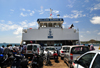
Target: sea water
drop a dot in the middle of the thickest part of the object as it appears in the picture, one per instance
(5, 44)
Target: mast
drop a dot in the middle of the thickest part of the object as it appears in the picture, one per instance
(50, 13)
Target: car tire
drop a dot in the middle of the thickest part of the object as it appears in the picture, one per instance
(62, 58)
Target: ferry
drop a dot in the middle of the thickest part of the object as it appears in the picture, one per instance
(51, 33)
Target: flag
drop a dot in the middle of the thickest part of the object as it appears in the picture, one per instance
(50, 14)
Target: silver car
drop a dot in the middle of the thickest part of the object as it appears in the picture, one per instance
(51, 49)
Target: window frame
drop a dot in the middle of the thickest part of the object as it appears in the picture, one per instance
(84, 55)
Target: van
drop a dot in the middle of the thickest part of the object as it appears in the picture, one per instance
(33, 48)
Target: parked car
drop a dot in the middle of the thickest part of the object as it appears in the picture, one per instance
(51, 49)
(90, 59)
(33, 48)
(71, 53)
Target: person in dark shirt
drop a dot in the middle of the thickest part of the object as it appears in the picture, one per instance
(7, 50)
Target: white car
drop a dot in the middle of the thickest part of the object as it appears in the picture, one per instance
(72, 52)
(90, 59)
(30, 48)
(51, 49)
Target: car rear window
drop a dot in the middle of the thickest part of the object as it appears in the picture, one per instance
(79, 50)
(34, 47)
(29, 47)
(66, 48)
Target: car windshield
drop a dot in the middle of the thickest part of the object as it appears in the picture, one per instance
(79, 50)
(50, 49)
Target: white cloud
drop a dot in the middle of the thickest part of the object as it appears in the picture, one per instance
(2, 20)
(5, 27)
(32, 24)
(17, 28)
(76, 21)
(9, 22)
(19, 36)
(23, 9)
(64, 23)
(11, 10)
(95, 20)
(70, 6)
(47, 9)
(18, 31)
(23, 14)
(81, 36)
(31, 14)
(99, 33)
(95, 30)
(95, 7)
(87, 31)
(86, 1)
(55, 11)
(28, 10)
(24, 23)
(75, 14)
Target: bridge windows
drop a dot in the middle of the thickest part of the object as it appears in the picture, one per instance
(50, 24)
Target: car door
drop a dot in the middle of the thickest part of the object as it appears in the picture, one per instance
(96, 63)
(85, 60)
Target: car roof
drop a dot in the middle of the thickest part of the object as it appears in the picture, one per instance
(50, 47)
(94, 51)
(72, 45)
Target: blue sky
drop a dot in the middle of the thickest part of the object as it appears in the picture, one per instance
(16, 14)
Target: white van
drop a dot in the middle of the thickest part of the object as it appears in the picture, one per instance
(33, 48)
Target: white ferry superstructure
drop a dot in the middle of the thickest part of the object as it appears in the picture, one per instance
(51, 33)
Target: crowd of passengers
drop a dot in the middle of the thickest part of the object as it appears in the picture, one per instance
(9, 48)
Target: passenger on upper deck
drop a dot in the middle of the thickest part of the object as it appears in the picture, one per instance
(71, 26)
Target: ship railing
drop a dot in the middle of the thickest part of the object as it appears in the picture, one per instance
(76, 30)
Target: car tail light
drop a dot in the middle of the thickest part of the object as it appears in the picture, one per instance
(71, 56)
(38, 50)
(62, 51)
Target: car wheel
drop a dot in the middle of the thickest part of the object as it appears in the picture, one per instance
(62, 58)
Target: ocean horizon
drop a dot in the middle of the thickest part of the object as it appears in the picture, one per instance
(13, 44)
(5, 44)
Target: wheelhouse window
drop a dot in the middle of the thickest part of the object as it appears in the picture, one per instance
(45, 24)
(41, 24)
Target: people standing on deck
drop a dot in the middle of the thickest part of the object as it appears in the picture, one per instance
(24, 47)
(89, 47)
(48, 58)
(92, 47)
(10, 47)
(20, 49)
(7, 50)
(71, 26)
(2, 49)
